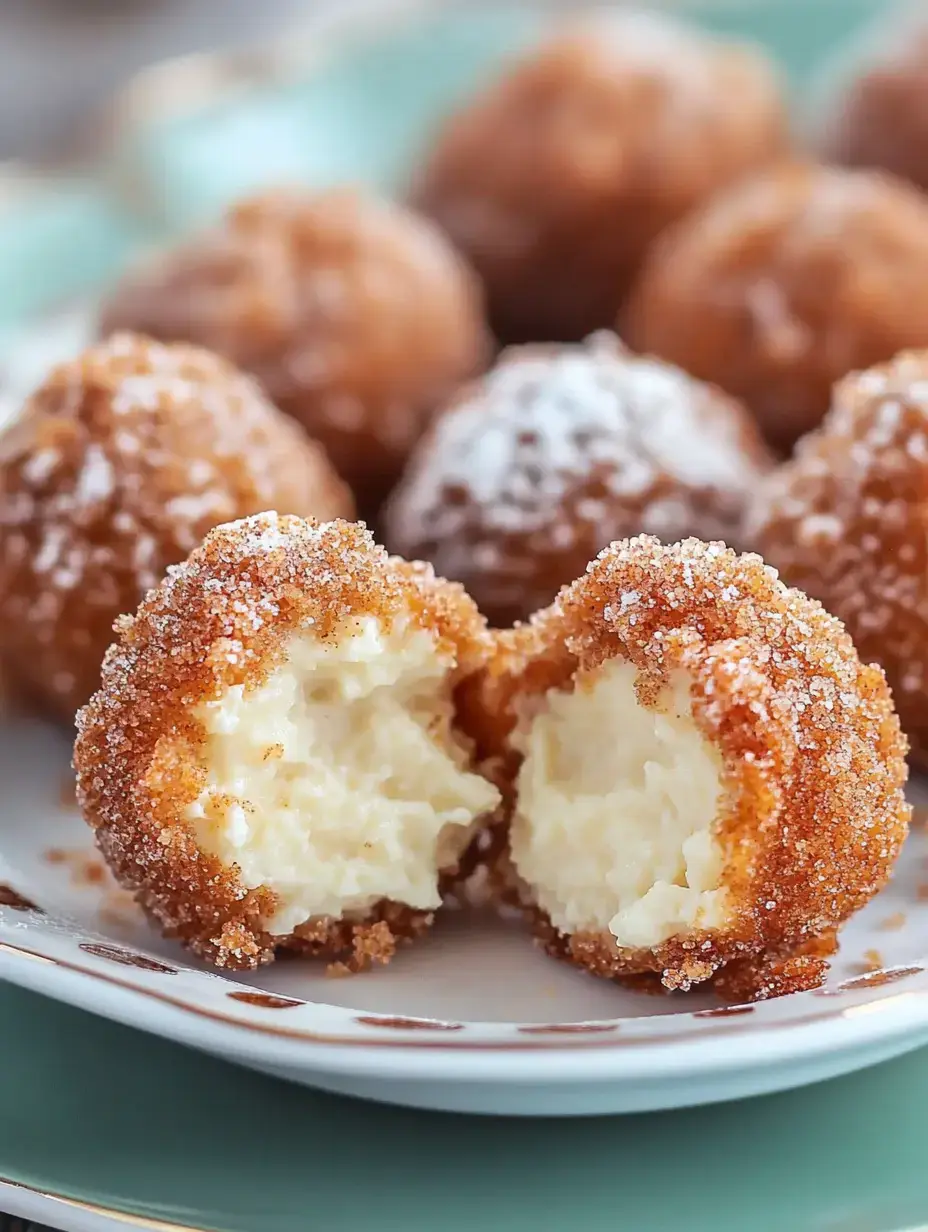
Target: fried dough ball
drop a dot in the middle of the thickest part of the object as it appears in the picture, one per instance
(120, 463)
(847, 520)
(705, 777)
(558, 451)
(555, 180)
(879, 116)
(272, 760)
(356, 316)
(780, 286)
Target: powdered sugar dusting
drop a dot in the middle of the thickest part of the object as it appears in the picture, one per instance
(584, 436)
(541, 421)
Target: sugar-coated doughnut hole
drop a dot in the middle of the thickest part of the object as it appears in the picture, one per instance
(702, 778)
(274, 759)
(781, 285)
(847, 521)
(357, 317)
(557, 177)
(558, 451)
(876, 114)
(121, 461)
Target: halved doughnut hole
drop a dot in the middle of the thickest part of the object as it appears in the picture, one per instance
(340, 781)
(613, 831)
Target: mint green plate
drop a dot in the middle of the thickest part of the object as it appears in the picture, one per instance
(97, 1119)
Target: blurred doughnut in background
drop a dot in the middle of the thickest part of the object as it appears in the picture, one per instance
(874, 113)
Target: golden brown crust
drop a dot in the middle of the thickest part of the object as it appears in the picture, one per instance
(781, 285)
(355, 315)
(560, 450)
(558, 176)
(847, 521)
(122, 460)
(220, 619)
(355, 945)
(775, 974)
(813, 814)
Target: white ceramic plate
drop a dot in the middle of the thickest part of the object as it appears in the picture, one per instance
(473, 1018)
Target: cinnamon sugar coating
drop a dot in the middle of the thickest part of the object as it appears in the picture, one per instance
(557, 452)
(811, 814)
(356, 316)
(224, 621)
(781, 285)
(556, 178)
(120, 463)
(847, 520)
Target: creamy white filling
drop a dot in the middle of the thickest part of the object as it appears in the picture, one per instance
(340, 781)
(616, 803)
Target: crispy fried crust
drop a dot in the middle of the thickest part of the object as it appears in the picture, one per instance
(847, 521)
(357, 317)
(556, 178)
(560, 450)
(223, 618)
(813, 814)
(782, 284)
(121, 462)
